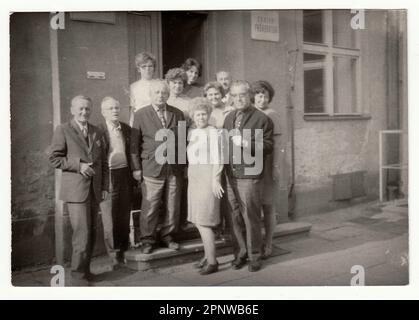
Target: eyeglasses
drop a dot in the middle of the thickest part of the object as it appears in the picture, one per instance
(146, 66)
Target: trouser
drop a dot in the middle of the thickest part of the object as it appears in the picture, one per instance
(116, 213)
(225, 217)
(183, 214)
(155, 191)
(244, 204)
(83, 223)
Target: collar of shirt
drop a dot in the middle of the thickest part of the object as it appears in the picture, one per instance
(112, 126)
(81, 126)
(158, 108)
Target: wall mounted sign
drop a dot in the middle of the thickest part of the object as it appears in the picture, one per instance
(96, 75)
(265, 25)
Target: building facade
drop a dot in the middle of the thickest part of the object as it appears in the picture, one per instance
(339, 76)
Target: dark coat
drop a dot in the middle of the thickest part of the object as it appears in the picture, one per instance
(252, 119)
(126, 133)
(144, 143)
(68, 149)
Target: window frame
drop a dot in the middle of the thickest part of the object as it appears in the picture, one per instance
(330, 51)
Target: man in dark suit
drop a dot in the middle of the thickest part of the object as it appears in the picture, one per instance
(77, 149)
(161, 176)
(117, 206)
(251, 133)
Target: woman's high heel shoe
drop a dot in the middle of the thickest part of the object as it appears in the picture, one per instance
(209, 268)
(200, 264)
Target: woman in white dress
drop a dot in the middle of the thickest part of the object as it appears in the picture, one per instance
(204, 175)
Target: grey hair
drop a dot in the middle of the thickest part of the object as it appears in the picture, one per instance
(156, 82)
(244, 83)
(218, 72)
(81, 97)
(109, 98)
(199, 103)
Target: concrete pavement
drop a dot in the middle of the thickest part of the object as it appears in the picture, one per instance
(371, 244)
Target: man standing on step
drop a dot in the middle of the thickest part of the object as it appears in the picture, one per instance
(250, 133)
(160, 177)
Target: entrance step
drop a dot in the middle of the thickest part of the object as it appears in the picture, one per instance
(192, 250)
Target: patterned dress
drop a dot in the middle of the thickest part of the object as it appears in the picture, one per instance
(204, 167)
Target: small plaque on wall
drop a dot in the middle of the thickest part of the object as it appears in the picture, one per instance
(265, 25)
(100, 17)
(96, 75)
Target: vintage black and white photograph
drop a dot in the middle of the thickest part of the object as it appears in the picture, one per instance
(209, 148)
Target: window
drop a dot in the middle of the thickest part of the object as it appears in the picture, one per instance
(331, 63)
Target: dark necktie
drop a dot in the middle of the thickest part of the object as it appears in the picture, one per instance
(239, 118)
(85, 134)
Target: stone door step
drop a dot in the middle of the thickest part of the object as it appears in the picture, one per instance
(192, 250)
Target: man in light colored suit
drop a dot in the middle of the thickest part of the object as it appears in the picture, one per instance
(77, 149)
(161, 182)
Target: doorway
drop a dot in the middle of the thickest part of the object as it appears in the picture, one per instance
(183, 36)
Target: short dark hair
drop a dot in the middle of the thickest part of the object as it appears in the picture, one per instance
(263, 86)
(190, 62)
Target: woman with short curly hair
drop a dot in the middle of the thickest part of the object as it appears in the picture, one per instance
(193, 70)
(204, 175)
(176, 79)
(214, 92)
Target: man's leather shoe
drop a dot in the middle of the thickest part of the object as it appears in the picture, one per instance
(147, 248)
(89, 276)
(172, 245)
(238, 263)
(254, 266)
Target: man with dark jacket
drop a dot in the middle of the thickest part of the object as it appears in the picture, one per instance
(161, 176)
(77, 149)
(117, 206)
(250, 139)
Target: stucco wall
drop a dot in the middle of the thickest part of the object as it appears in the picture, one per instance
(322, 148)
(85, 46)
(325, 148)
(31, 129)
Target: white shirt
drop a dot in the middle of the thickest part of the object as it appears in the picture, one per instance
(116, 157)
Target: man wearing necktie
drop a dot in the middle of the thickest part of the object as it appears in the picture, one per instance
(243, 185)
(77, 150)
(117, 206)
(160, 182)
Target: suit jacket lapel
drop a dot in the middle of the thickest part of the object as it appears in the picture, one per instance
(155, 117)
(91, 136)
(246, 117)
(170, 117)
(230, 120)
(79, 134)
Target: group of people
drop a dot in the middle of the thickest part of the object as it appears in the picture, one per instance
(222, 125)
